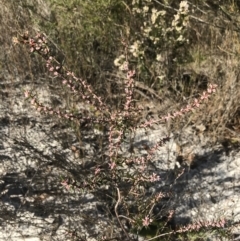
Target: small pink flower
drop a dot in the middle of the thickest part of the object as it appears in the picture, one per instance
(31, 41)
(97, 170)
(222, 223)
(204, 96)
(196, 103)
(188, 108)
(33, 101)
(112, 165)
(168, 117)
(146, 221)
(154, 177)
(26, 93)
(66, 185)
(212, 88)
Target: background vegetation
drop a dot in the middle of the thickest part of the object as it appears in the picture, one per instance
(175, 58)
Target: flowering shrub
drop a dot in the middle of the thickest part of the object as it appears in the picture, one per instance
(159, 32)
(125, 178)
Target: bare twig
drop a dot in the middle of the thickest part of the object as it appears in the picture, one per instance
(161, 235)
(116, 212)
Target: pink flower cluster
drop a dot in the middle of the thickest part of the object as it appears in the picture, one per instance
(146, 221)
(196, 104)
(202, 224)
(39, 44)
(118, 123)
